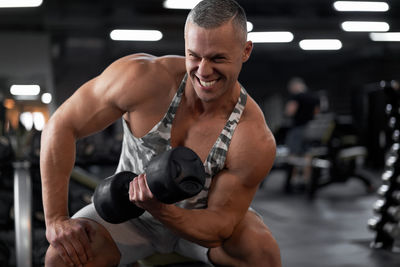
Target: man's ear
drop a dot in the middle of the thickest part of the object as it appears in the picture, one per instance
(247, 50)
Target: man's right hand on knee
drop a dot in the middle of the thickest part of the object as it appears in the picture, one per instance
(71, 238)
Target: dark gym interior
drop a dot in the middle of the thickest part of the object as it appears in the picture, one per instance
(346, 214)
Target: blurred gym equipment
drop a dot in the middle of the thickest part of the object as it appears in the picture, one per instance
(386, 222)
(334, 155)
(23, 213)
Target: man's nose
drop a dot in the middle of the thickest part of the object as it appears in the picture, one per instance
(205, 68)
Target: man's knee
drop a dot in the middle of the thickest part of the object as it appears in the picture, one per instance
(259, 247)
(53, 258)
(266, 249)
(104, 250)
(251, 244)
(101, 259)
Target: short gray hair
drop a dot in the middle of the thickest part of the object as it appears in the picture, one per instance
(214, 13)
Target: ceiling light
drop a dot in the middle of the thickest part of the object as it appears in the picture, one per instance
(320, 44)
(180, 4)
(20, 3)
(385, 36)
(361, 6)
(270, 37)
(136, 35)
(46, 98)
(25, 90)
(26, 119)
(38, 120)
(249, 26)
(365, 26)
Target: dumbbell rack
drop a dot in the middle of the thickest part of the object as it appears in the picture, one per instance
(386, 222)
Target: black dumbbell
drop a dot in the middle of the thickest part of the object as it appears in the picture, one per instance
(174, 175)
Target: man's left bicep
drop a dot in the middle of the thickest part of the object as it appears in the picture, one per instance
(230, 196)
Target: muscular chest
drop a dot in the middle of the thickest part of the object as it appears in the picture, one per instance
(197, 133)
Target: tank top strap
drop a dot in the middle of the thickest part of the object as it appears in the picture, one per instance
(217, 156)
(170, 115)
(137, 152)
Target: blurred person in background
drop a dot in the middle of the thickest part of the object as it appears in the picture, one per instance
(301, 108)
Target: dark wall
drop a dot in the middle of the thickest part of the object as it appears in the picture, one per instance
(264, 75)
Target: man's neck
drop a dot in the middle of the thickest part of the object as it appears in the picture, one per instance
(221, 106)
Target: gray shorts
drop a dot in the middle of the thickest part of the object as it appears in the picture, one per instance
(141, 237)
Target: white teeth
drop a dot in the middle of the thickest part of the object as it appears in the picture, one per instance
(207, 84)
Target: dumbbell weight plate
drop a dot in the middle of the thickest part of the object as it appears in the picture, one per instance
(111, 200)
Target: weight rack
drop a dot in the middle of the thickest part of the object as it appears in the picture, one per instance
(386, 220)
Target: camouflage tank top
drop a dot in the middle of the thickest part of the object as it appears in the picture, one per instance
(137, 152)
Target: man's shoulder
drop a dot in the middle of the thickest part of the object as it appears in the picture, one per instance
(139, 77)
(252, 149)
(252, 114)
(148, 63)
(252, 128)
(143, 71)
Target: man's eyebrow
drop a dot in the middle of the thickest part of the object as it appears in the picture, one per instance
(192, 52)
(217, 55)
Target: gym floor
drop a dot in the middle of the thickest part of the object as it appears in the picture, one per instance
(329, 231)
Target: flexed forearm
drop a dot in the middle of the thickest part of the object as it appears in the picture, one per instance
(201, 226)
(57, 157)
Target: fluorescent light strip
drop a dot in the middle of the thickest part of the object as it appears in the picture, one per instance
(25, 90)
(20, 3)
(320, 44)
(180, 4)
(360, 6)
(136, 35)
(365, 26)
(270, 37)
(385, 36)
